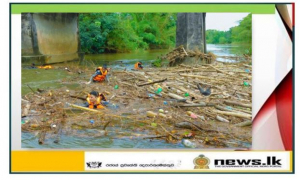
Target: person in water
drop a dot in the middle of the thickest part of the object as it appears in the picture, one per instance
(99, 75)
(138, 66)
(95, 100)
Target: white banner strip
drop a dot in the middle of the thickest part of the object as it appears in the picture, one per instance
(234, 161)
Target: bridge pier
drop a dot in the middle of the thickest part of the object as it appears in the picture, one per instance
(52, 37)
(190, 31)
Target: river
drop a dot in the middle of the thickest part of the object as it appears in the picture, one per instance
(50, 79)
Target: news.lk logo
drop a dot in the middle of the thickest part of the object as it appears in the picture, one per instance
(269, 162)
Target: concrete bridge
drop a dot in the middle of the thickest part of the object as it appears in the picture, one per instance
(50, 37)
(54, 37)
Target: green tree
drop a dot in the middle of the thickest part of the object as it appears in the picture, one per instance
(124, 32)
(238, 34)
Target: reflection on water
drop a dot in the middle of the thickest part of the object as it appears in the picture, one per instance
(228, 50)
(126, 60)
(112, 140)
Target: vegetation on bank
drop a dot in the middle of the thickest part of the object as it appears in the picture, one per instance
(126, 32)
(241, 34)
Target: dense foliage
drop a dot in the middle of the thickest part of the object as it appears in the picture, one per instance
(238, 34)
(125, 32)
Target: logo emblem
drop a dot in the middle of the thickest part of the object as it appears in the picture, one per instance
(201, 162)
(94, 164)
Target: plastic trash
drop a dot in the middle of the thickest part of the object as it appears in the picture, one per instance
(67, 90)
(161, 111)
(112, 106)
(92, 121)
(159, 90)
(116, 87)
(246, 83)
(105, 103)
(151, 95)
(188, 143)
(154, 124)
(186, 94)
(189, 135)
(159, 94)
(53, 125)
(247, 70)
(165, 103)
(228, 107)
(22, 122)
(194, 116)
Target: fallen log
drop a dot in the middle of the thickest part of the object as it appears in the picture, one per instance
(175, 96)
(233, 110)
(77, 97)
(201, 104)
(43, 103)
(245, 123)
(188, 83)
(168, 132)
(83, 108)
(202, 77)
(190, 92)
(199, 128)
(31, 89)
(218, 70)
(233, 114)
(106, 124)
(184, 51)
(219, 118)
(238, 104)
(153, 82)
(154, 137)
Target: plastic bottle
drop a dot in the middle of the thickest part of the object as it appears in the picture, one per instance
(246, 83)
(188, 143)
(159, 90)
(116, 87)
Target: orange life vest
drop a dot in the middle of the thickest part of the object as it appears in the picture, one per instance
(99, 77)
(137, 65)
(98, 103)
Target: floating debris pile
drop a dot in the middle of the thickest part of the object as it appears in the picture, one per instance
(179, 55)
(209, 105)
